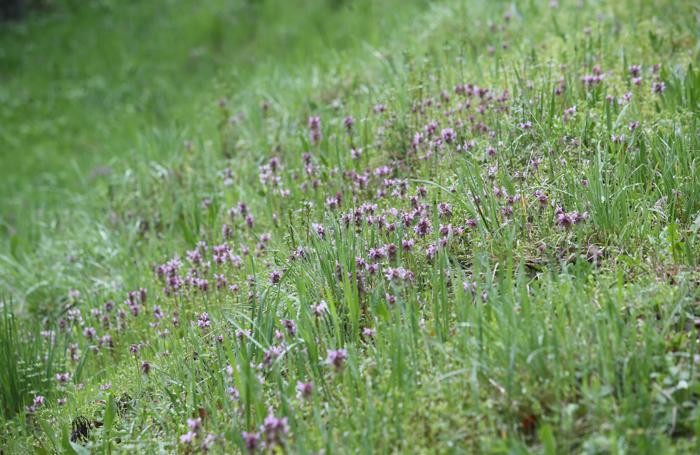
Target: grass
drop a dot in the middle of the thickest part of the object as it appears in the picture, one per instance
(505, 266)
(29, 363)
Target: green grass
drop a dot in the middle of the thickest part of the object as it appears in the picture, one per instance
(511, 333)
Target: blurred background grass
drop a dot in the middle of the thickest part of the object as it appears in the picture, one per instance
(80, 82)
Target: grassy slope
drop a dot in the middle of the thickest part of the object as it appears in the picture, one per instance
(125, 105)
(553, 347)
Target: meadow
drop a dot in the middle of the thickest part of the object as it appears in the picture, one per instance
(350, 226)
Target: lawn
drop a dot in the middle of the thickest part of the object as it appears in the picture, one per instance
(343, 226)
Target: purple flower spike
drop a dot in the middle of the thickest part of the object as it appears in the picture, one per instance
(274, 430)
(251, 440)
(275, 276)
(337, 358)
(304, 390)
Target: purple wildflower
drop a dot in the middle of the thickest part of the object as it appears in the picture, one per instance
(188, 437)
(431, 251)
(89, 333)
(336, 358)
(444, 210)
(445, 230)
(541, 197)
(423, 228)
(290, 326)
(566, 220)
(448, 135)
(194, 424)
(658, 87)
(275, 276)
(274, 430)
(203, 321)
(249, 221)
(320, 308)
(272, 354)
(251, 441)
(304, 390)
(208, 442)
(315, 129)
(73, 352)
(348, 122)
(320, 230)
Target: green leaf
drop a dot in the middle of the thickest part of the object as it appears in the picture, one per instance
(546, 436)
(110, 413)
